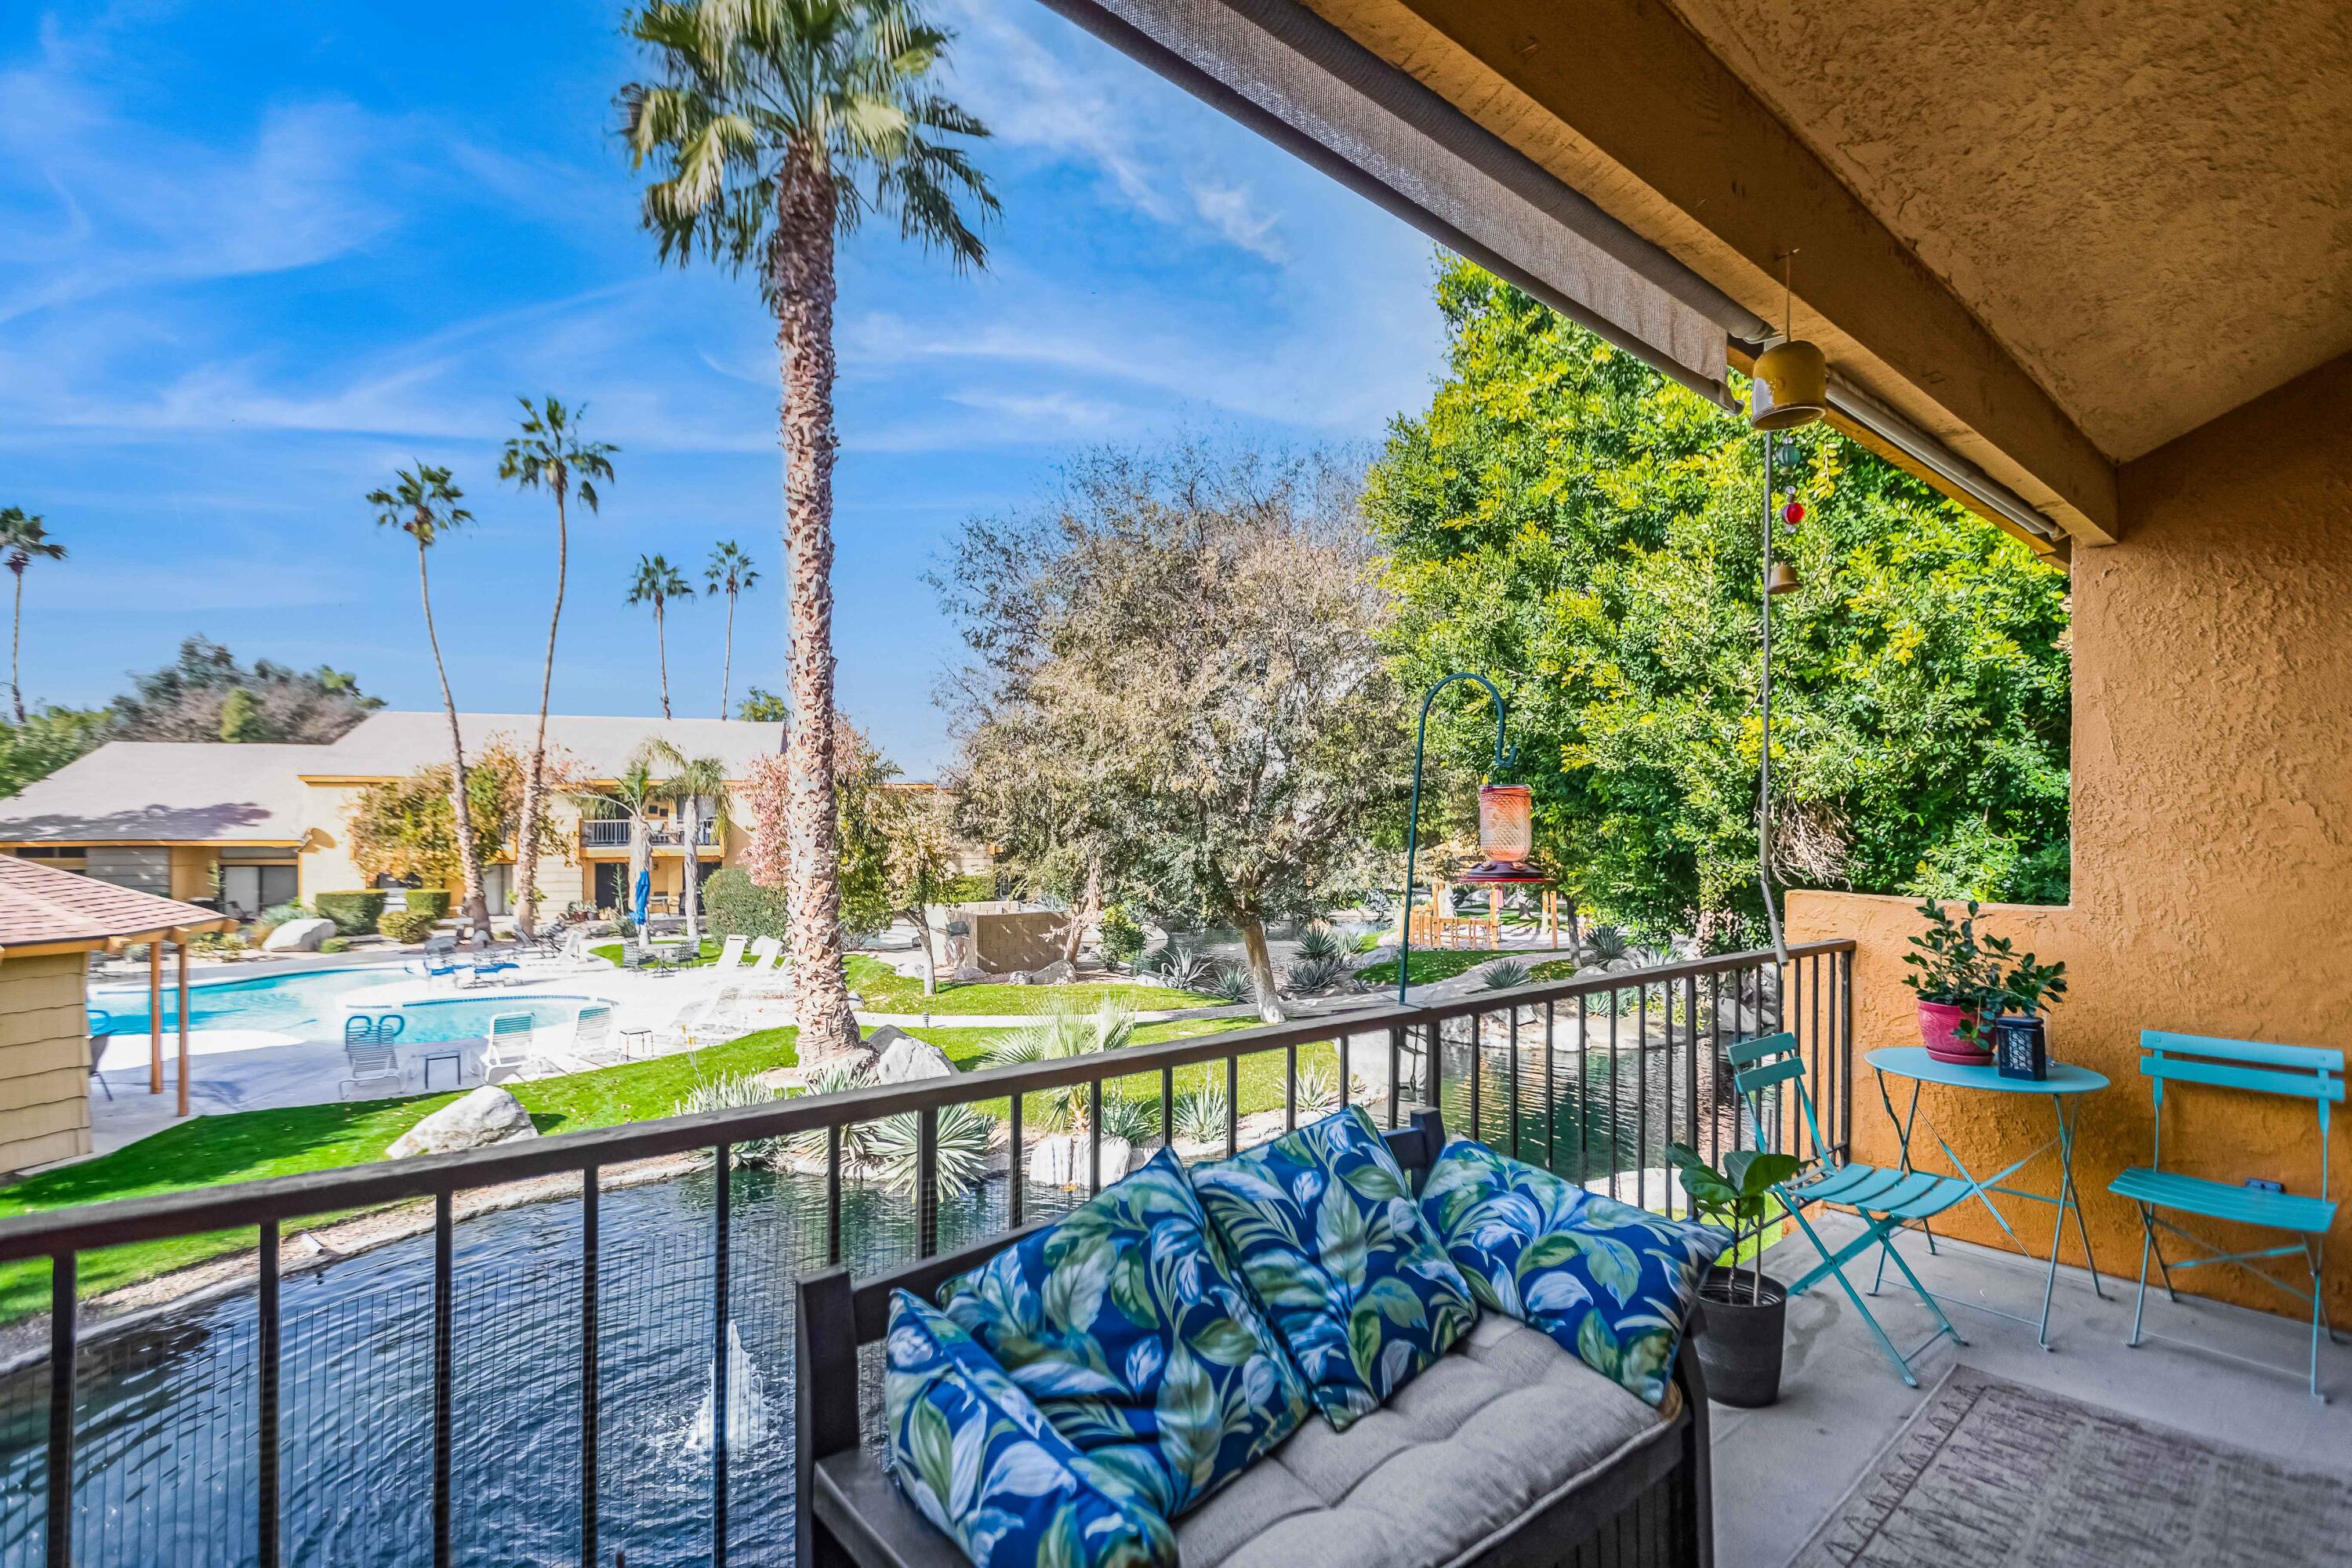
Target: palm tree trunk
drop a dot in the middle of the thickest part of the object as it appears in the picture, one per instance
(661, 643)
(526, 908)
(689, 891)
(727, 665)
(1261, 968)
(16, 646)
(469, 862)
(801, 262)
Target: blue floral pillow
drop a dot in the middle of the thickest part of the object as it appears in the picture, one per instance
(1329, 1240)
(1130, 1332)
(981, 1464)
(1606, 1280)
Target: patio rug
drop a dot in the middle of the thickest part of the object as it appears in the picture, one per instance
(1992, 1474)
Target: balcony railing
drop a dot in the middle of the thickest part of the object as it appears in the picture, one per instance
(552, 1387)
(608, 833)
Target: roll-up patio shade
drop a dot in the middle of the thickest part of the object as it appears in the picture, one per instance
(1292, 77)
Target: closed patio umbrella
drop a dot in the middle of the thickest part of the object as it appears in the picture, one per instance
(644, 895)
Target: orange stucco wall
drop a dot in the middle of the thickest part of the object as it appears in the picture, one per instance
(2212, 813)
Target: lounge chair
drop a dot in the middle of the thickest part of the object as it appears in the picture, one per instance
(508, 1047)
(766, 974)
(688, 1027)
(373, 1067)
(730, 954)
(592, 1039)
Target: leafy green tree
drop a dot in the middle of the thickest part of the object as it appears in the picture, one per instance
(423, 503)
(46, 741)
(186, 700)
(729, 572)
(240, 717)
(1566, 520)
(775, 127)
(547, 453)
(657, 583)
(762, 706)
(23, 541)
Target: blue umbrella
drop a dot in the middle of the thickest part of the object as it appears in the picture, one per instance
(645, 893)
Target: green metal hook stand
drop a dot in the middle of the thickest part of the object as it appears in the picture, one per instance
(1503, 760)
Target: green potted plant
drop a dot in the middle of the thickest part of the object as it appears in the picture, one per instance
(1747, 1312)
(1955, 973)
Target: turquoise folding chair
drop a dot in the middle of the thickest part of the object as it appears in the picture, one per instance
(2299, 1072)
(1886, 1200)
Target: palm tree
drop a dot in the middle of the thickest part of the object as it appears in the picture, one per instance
(695, 780)
(23, 538)
(729, 572)
(422, 504)
(657, 583)
(775, 125)
(641, 784)
(547, 455)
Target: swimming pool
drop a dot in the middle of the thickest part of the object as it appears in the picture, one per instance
(467, 1017)
(302, 1002)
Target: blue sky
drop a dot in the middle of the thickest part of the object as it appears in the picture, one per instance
(253, 256)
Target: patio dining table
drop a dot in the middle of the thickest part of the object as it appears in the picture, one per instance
(2063, 1087)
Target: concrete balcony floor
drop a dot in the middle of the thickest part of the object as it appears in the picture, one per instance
(1779, 1471)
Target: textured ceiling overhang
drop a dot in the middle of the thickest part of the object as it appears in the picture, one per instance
(1293, 77)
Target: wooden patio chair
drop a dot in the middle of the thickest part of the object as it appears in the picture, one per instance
(1885, 1200)
(2297, 1072)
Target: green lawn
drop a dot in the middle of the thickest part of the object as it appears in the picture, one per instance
(1259, 1079)
(247, 1145)
(1446, 962)
(888, 990)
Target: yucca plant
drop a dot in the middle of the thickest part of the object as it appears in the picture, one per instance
(960, 1152)
(731, 1091)
(1503, 975)
(1311, 975)
(1201, 1111)
(1317, 1088)
(1134, 1119)
(1319, 941)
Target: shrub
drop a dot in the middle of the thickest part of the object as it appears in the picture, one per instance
(737, 906)
(335, 944)
(1503, 975)
(1119, 936)
(405, 925)
(433, 902)
(978, 888)
(219, 944)
(352, 913)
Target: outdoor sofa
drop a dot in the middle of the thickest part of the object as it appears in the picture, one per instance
(1506, 1450)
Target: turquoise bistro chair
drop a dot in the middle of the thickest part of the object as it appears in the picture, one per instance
(1886, 1200)
(2298, 1072)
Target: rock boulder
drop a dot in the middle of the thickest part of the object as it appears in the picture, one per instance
(297, 936)
(1058, 973)
(900, 1057)
(1062, 1159)
(488, 1115)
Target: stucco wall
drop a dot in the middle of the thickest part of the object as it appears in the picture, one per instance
(2213, 818)
(43, 1059)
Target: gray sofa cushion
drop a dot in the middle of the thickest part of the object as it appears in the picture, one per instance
(1503, 1424)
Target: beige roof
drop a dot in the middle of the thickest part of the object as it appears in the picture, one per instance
(388, 744)
(40, 905)
(130, 791)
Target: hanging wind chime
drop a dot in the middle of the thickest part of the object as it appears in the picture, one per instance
(1790, 387)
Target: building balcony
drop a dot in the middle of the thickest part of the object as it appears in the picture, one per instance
(606, 833)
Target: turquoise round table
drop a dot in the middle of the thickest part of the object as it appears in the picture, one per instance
(2062, 1089)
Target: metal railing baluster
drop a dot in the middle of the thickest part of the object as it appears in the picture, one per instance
(1167, 1108)
(1016, 1174)
(1551, 1094)
(1478, 1077)
(1642, 1099)
(1094, 1137)
(1396, 1072)
(1290, 1089)
(443, 1370)
(1616, 1151)
(1342, 1044)
(722, 1223)
(833, 1185)
(1512, 1060)
(63, 1269)
(266, 1327)
(1690, 1047)
(590, 1242)
(1232, 1106)
(926, 1171)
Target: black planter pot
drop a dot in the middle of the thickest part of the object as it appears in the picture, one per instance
(1740, 1350)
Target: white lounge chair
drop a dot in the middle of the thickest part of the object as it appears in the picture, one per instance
(373, 1067)
(508, 1048)
(730, 954)
(592, 1039)
(685, 1028)
(765, 977)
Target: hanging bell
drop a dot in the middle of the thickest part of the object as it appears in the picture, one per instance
(1782, 579)
(1790, 387)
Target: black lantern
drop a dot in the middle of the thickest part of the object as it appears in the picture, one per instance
(2020, 1047)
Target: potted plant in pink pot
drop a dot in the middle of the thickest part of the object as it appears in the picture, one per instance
(1955, 974)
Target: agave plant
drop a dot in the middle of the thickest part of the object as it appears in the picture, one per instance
(1366, 942)
(1319, 941)
(1134, 1119)
(1060, 1036)
(1317, 1088)
(1201, 1111)
(1606, 943)
(1230, 983)
(1503, 975)
(1310, 974)
(857, 1138)
(731, 1091)
(959, 1152)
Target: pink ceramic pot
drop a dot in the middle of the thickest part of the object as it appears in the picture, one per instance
(1939, 1031)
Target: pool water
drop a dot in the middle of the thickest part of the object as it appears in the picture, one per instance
(303, 1003)
(469, 1018)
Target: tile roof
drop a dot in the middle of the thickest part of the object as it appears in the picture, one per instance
(132, 791)
(40, 904)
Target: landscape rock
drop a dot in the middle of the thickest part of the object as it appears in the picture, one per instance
(1061, 1160)
(1058, 973)
(488, 1115)
(298, 936)
(1018, 977)
(970, 975)
(900, 1057)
